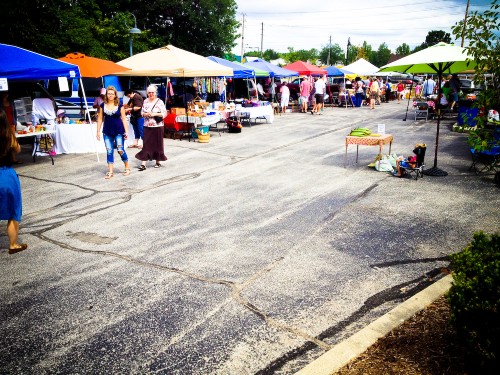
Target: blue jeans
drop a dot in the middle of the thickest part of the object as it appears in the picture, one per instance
(110, 143)
(138, 126)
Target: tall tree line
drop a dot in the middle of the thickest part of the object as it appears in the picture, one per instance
(101, 28)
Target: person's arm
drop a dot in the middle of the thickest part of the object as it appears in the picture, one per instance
(15, 143)
(124, 120)
(99, 123)
(163, 110)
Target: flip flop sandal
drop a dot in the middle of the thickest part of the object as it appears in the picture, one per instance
(127, 172)
(142, 168)
(21, 247)
(108, 175)
(157, 165)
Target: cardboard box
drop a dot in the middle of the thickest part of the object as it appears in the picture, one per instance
(178, 111)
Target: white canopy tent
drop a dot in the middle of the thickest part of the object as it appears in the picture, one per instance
(362, 68)
(170, 61)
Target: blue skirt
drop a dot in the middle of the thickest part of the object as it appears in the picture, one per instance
(10, 195)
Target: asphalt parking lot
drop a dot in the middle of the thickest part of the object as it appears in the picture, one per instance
(252, 254)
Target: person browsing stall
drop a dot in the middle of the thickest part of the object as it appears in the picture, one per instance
(136, 120)
(153, 111)
(100, 99)
(285, 96)
(320, 90)
(305, 91)
(10, 187)
(374, 89)
(115, 129)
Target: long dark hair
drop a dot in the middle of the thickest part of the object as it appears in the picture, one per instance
(8, 142)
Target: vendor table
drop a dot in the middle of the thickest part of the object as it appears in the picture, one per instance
(265, 111)
(78, 138)
(198, 120)
(36, 145)
(184, 124)
(367, 141)
(171, 124)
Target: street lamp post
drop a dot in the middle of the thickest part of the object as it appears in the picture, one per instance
(133, 30)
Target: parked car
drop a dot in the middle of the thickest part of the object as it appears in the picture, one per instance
(467, 86)
(73, 110)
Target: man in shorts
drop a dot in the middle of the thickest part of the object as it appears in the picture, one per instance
(305, 91)
(320, 89)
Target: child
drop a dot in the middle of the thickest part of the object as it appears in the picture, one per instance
(418, 91)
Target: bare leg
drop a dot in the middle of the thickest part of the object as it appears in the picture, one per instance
(12, 233)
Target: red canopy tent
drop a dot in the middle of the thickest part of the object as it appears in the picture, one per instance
(304, 68)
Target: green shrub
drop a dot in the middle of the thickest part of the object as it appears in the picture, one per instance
(475, 300)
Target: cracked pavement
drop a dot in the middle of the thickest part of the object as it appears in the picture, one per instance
(252, 254)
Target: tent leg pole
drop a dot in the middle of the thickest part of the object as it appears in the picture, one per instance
(90, 120)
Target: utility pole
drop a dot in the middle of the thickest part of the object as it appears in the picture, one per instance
(465, 23)
(347, 53)
(242, 37)
(329, 50)
(262, 41)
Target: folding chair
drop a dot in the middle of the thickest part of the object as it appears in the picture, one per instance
(245, 118)
(421, 110)
(415, 169)
(485, 161)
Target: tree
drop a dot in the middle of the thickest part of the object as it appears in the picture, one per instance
(482, 32)
(381, 56)
(101, 28)
(365, 51)
(352, 54)
(403, 50)
(270, 54)
(303, 55)
(331, 54)
(205, 27)
(433, 37)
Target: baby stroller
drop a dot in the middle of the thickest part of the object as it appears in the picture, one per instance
(413, 166)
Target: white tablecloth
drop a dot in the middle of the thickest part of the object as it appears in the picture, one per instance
(265, 111)
(77, 138)
(199, 121)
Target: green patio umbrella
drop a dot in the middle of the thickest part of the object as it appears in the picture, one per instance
(439, 59)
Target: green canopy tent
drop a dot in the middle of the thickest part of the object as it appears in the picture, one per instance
(439, 59)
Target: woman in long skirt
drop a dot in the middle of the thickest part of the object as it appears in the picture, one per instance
(153, 111)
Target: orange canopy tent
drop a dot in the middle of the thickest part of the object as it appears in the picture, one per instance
(304, 68)
(92, 67)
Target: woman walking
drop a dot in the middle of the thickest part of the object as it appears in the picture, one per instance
(115, 129)
(153, 111)
(10, 188)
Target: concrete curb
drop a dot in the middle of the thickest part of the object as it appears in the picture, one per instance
(341, 354)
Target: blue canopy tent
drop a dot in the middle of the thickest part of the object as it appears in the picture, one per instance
(240, 70)
(274, 70)
(333, 71)
(19, 64)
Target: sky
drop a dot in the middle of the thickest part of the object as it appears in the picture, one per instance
(305, 25)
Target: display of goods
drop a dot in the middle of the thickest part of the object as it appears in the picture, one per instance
(178, 111)
(360, 132)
